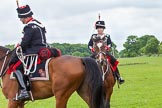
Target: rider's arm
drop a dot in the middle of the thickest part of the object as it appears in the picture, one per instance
(28, 33)
(109, 42)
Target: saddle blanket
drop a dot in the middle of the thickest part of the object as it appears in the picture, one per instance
(40, 74)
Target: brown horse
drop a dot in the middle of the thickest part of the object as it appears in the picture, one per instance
(107, 73)
(67, 75)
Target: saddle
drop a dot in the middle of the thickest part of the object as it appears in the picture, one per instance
(46, 53)
(35, 65)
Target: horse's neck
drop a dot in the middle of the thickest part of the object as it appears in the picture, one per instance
(106, 66)
(6, 65)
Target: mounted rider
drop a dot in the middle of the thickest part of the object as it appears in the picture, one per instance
(100, 26)
(33, 40)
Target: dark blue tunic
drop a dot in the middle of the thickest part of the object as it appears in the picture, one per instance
(33, 40)
(34, 37)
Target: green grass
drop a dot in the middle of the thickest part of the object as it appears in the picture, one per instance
(143, 87)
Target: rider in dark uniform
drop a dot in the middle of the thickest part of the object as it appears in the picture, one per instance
(100, 26)
(33, 40)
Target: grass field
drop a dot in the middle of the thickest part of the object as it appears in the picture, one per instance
(143, 87)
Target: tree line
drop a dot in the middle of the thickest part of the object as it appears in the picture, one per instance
(139, 46)
(133, 47)
(80, 50)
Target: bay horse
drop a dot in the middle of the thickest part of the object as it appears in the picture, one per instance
(106, 69)
(67, 75)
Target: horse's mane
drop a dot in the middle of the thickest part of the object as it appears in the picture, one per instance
(4, 48)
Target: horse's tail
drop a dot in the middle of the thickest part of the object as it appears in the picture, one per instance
(95, 83)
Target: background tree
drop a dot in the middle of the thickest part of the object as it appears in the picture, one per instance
(152, 46)
(10, 46)
(131, 46)
(134, 46)
(160, 48)
(142, 41)
(80, 50)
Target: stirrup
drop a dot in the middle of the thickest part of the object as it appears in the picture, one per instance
(30, 96)
(17, 98)
(121, 81)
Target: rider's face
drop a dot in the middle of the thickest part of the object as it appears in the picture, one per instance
(100, 30)
(23, 20)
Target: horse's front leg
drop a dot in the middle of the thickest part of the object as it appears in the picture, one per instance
(21, 105)
(108, 97)
(13, 104)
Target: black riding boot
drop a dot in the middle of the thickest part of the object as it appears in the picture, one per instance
(23, 92)
(119, 78)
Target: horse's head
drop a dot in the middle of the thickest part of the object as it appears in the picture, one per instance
(100, 51)
(4, 58)
(101, 57)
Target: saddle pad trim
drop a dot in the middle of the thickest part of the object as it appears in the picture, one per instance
(38, 78)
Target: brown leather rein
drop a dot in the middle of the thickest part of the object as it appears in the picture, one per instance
(4, 64)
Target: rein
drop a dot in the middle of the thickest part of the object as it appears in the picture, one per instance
(3, 68)
(4, 62)
(102, 64)
(9, 52)
(102, 61)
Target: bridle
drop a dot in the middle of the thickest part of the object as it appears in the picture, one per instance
(102, 62)
(3, 68)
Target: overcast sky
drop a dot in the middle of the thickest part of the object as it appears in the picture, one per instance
(73, 21)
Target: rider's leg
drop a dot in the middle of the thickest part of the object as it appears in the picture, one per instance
(119, 78)
(16, 65)
(23, 90)
(114, 63)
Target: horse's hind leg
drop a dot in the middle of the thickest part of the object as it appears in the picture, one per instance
(63, 94)
(61, 102)
(84, 95)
